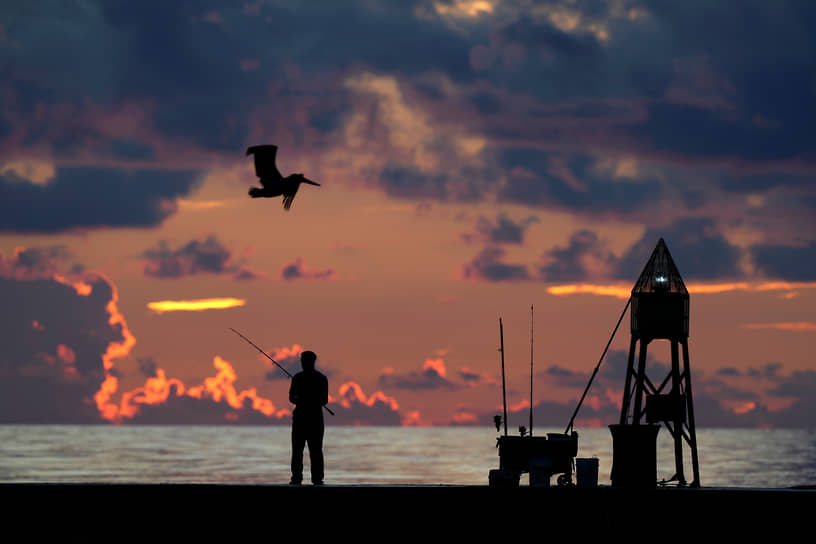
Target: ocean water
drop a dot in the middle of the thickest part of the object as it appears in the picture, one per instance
(363, 455)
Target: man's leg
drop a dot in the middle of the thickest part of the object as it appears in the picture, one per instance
(298, 442)
(316, 454)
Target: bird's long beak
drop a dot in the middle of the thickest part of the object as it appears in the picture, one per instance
(310, 182)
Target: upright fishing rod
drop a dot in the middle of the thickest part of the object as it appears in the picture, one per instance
(504, 388)
(589, 383)
(273, 360)
(531, 370)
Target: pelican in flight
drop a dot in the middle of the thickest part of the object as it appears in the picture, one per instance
(274, 184)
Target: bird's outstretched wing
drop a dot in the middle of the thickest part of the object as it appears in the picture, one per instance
(265, 167)
(290, 187)
(289, 195)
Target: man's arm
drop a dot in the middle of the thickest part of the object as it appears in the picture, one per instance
(324, 392)
(293, 395)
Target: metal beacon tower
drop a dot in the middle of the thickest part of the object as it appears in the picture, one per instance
(659, 311)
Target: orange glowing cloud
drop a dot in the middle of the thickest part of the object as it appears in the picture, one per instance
(219, 388)
(283, 353)
(796, 326)
(623, 291)
(356, 408)
(464, 418)
(155, 391)
(198, 305)
(414, 419)
(80, 287)
(115, 350)
(66, 354)
(351, 392)
(744, 408)
(437, 365)
(604, 290)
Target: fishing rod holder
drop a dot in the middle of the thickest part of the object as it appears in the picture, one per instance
(541, 456)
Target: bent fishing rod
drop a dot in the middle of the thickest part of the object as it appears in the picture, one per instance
(273, 360)
(594, 372)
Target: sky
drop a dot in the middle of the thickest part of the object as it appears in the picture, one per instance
(478, 160)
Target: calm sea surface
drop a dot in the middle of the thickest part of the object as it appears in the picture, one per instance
(362, 455)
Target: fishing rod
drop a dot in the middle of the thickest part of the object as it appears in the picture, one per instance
(589, 384)
(504, 388)
(531, 370)
(273, 360)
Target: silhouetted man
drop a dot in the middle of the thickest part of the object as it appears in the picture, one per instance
(309, 392)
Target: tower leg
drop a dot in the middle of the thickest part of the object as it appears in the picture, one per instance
(690, 416)
(630, 370)
(678, 421)
(639, 382)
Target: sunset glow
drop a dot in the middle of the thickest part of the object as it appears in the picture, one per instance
(799, 326)
(621, 291)
(199, 305)
(474, 158)
(158, 390)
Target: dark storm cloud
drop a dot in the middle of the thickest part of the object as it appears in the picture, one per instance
(428, 378)
(793, 263)
(801, 384)
(770, 370)
(503, 231)
(31, 262)
(572, 183)
(762, 182)
(488, 265)
(728, 371)
(186, 410)
(472, 378)
(403, 181)
(124, 149)
(209, 256)
(721, 387)
(564, 377)
(682, 129)
(206, 67)
(698, 249)
(297, 270)
(55, 341)
(613, 368)
(245, 274)
(765, 55)
(798, 386)
(209, 74)
(532, 54)
(87, 197)
(560, 99)
(195, 257)
(584, 257)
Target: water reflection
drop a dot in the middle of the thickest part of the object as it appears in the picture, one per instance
(362, 455)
